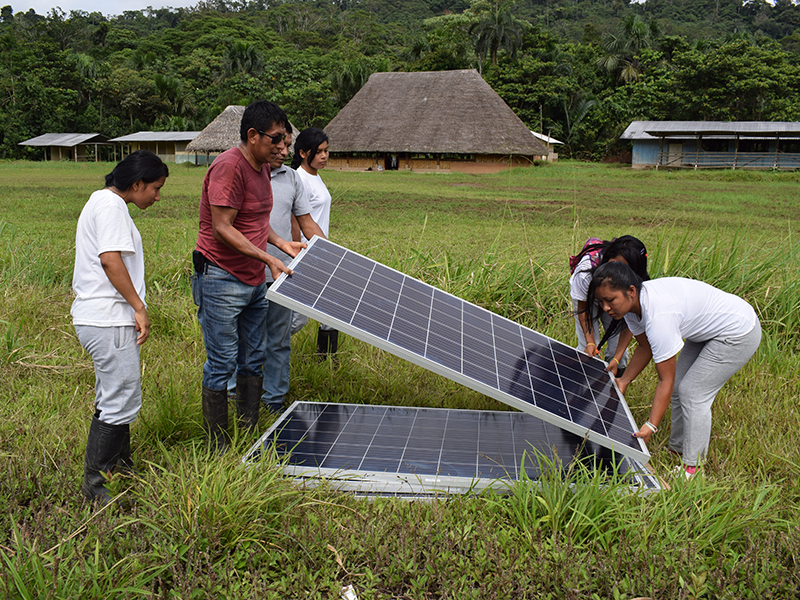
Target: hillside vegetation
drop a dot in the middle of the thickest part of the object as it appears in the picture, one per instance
(579, 70)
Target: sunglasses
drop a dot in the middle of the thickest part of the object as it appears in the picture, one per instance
(275, 139)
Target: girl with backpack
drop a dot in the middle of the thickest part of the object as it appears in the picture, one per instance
(595, 252)
(715, 332)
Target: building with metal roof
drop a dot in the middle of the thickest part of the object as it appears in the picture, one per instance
(170, 146)
(550, 143)
(715, 144)
(77, 147)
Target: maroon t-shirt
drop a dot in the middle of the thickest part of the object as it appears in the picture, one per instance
(232, 182)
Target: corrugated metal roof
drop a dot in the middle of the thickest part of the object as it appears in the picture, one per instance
(158, 136)
(650, 130)
(68, 140)
(546, 138)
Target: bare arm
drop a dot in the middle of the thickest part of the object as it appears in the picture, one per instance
(308, 226)
(290, 248)
(119, 277)
(222, 218)
(588, 335)
(662, 397)
(295, 229)
(641, 357)
(625, 337)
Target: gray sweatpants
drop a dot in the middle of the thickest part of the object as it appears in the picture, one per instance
(702, 370)
(117, 387)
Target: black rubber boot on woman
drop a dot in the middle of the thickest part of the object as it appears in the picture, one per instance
(103, 450)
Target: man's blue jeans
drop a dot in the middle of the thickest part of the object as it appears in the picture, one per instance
(277, 363)
(233, 317)
(278, 351)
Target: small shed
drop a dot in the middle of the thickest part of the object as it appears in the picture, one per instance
(550, 143)
(715, 144)
(77, 147)
(170, 146)
(219, 135)
(430, 121)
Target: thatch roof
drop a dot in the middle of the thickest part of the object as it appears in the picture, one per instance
(435, 112)
(221, 134)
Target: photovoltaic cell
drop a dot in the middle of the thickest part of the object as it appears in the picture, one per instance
(464, 342)
(411, 451)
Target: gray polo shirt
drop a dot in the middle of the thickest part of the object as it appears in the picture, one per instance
(289, 197)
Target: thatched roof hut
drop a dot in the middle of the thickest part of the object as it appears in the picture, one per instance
(451, 120)
(221, 134)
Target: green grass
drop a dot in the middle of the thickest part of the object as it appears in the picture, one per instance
(191, 526)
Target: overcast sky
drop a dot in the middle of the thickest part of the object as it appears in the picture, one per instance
(117, 7)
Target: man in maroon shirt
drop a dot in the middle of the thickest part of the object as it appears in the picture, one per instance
(229, 282)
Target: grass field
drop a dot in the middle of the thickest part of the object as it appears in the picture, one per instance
(191, 526)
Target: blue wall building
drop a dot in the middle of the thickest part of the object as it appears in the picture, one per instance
(714, 144)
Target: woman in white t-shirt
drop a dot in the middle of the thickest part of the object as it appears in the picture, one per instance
(109, 312)
(715, 333)
(310, 157)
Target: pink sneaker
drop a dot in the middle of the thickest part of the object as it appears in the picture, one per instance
(686, 471)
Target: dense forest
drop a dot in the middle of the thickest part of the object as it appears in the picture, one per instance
(579, 70)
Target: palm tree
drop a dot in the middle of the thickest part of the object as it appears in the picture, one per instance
(622, 49)
(243, 57)
(496, 28)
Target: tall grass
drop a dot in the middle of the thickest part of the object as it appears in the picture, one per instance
(192, 526)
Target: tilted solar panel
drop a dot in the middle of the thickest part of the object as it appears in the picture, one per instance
(410, 451)
(468, 344)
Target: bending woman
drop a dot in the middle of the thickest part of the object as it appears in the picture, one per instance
(715, 332)
(626, 249)
(109, 312)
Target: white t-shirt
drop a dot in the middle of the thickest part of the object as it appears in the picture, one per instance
(676, 309)
(105, 226)
(320, 199)
(580, 279)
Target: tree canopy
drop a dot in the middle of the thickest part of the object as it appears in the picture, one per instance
(579, 70)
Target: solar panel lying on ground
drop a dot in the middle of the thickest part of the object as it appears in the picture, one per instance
(468, 344)
(418, 452)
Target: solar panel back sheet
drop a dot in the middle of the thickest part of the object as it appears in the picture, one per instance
(459, 340)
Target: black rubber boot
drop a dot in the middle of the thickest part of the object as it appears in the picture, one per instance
(125, 464)
(215, 419)
(103, 450)
(248, 400)
(327, 342)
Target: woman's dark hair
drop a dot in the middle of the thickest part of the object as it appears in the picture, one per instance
(618, 276)
(309, 141)
(141, 165)
(632, 250)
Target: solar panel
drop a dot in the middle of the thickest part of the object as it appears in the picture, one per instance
(416, 452)
(459, 340)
